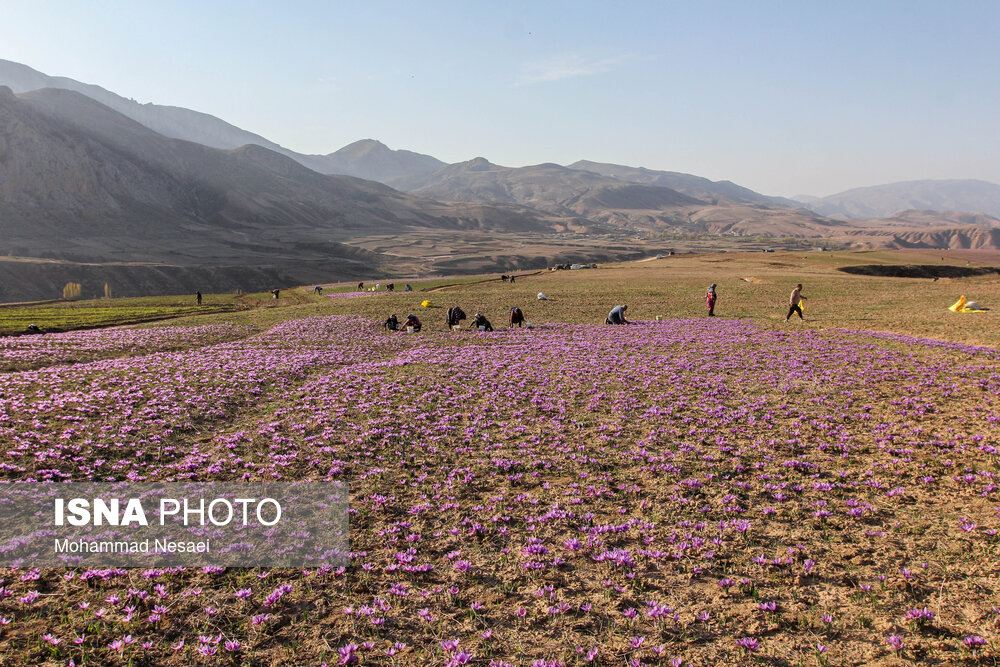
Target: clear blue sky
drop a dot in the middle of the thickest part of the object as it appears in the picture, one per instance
(783, 97)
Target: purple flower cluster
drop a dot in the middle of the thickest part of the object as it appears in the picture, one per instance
(689, 481)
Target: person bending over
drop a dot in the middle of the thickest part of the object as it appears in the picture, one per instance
(412, 321)
(480, 322)
(617, 315)
(455, 316)
(516, 317)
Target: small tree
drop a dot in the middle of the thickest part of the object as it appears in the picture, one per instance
(72, 291)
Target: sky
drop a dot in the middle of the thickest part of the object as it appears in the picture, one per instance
(785, 98)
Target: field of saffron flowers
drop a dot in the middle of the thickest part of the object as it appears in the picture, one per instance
(689, 491)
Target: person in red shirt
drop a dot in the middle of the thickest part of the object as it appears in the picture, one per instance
(412, 321)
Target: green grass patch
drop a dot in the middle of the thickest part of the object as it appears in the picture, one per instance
(66, 316)
(65, 319)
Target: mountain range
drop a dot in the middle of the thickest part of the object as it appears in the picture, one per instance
(90, 177)
(82, 183)
(724, 208)
(373, 160)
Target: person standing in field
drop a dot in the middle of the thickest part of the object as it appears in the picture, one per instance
(198, 296)
(710, 297)
(794, 302)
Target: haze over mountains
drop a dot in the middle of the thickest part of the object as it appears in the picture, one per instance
(372, 160)
(694, 186)
(89, 176)
(621, 203)
(546, 186)
(881, 201)
(365, 159)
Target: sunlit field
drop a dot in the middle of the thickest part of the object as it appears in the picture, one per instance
(683, 490)
(60, 316)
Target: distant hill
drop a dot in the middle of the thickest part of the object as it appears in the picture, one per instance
(693, 186)
(883, 201)
(366, 159)
(956, 238)
(375, 161)
(925, 229)
(548, 187)
(931, 219)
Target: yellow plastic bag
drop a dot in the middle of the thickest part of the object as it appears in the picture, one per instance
(427, 303)
(960, 307)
